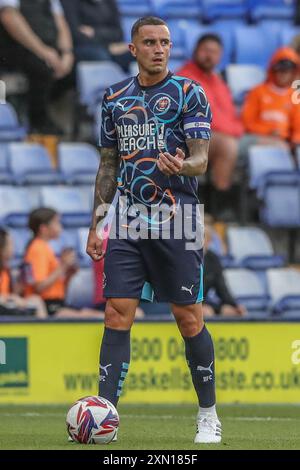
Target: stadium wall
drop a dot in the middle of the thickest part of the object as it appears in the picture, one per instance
(57, 363)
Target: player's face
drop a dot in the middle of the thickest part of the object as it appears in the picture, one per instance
(151, 48)
(208, 55)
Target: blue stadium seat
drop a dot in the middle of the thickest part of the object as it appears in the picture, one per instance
(84, 259)
(251, 248)
(175, 64)
(67, 239)
(30, 164)
(280, 195)
(225, 29)
(93, 78)
(248, 45)
(284, 290)
(178, 30)
(263, 159)
(274, 9)
(287, 34)
(216, 9)
(242, 78)
(5, 174)
(177, 9)
(15, 205)
(69, 202)
(127, 23)
(247, 289)
(10, 129)
(80, 291)
(132, 7)
(21, 238)
(78, 162)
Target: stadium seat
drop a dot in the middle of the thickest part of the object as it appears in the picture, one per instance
(242, 78)
(80, 291)
(127, 23)
(93, 78)
(15, 205)
(287, 34)
(248, 45)
(251, 248)
(68, 202)
(10, 129)
(178, 29)
(84, 259)
(284, 290)
(273, 9)
(78, 162)
(263, 159)
(31, 164)
(67, 239)
(5, 175)
(177, 9)
(216, 9)
(20, 238)
(247, 289)
(280, 196)
(132, 7)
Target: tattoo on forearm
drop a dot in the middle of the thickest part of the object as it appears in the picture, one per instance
(106, 181)
(196, 163)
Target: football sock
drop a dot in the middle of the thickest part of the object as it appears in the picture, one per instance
(114, 363)
(200, 357)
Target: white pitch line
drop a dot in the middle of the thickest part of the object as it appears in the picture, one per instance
(155, 417)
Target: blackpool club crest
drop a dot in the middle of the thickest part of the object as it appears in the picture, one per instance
(163, 104)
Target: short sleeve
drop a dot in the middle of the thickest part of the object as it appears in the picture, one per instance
(38, 260)
(56, 7)
(9, 3)
(196, 114)
(108, 135)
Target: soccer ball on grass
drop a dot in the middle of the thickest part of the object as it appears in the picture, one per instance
(92, 420)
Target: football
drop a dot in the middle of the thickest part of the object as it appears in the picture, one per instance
(92, 420)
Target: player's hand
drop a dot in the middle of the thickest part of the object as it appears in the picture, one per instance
(94, 246)
(170, 165)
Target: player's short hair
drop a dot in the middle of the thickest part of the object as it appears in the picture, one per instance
(41, 216)
(209, 37)
(146, 21)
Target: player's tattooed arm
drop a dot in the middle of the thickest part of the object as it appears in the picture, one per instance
(105, 188)
(106, 182)
(195, 164)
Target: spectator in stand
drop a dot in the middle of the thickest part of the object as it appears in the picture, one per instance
(44, 273)
(226, 126)
(10, 298)
(97, 31)
(269, 114)
(214, 279)
(35, 38)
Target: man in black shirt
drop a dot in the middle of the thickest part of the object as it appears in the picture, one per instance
(96, 31)
(35, 38)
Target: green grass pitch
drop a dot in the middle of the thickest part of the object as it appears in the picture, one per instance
(158, 427)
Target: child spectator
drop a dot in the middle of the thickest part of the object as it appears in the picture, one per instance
(46, 275)
(10, 300)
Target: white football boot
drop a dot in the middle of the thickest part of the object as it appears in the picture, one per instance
(209, 430)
